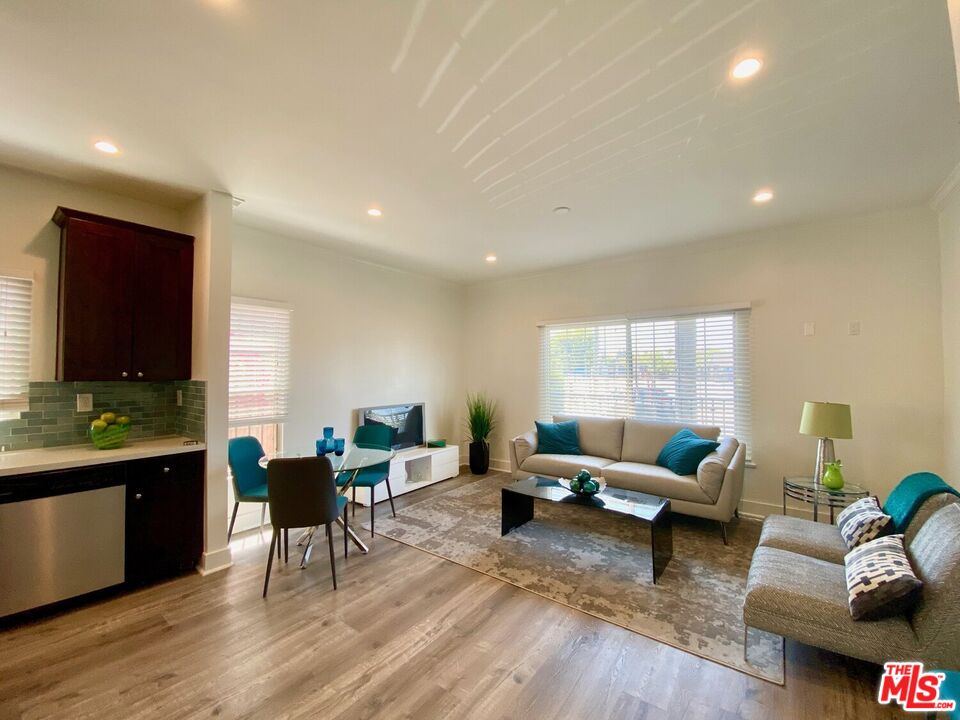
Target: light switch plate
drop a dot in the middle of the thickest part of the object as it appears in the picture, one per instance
(84, 402)
(808, 329)
(854, 327)
(179, 398)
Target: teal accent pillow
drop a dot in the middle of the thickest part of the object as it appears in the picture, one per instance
(562, 438)
(684, 451)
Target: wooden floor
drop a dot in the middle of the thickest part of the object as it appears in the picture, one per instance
(407, 635)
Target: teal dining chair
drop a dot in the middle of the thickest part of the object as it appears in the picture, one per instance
(249, 479)
(378, 437)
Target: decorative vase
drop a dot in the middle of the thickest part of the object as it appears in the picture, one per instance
(328, 433)
(479, 457)
(339, 445)
(833, 476)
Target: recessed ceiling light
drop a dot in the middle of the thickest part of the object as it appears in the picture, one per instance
(491, 258)
(105, 146)
(762, 196)
(374, 212)
(748, 67)
(561, 210)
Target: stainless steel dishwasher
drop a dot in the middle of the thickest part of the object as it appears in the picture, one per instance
(61, 535)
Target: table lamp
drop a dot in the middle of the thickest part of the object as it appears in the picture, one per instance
(825, 421)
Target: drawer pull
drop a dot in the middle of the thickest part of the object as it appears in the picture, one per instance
(139, 374)
(138, 496)
(124, 373)
(166, 469)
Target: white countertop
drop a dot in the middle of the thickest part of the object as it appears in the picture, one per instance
(18, 462)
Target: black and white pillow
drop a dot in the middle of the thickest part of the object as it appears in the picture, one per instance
(863, 521)
(880, 580)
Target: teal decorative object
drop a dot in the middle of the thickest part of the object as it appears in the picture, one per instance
(684, 451)
(833, 476)
(583, 483)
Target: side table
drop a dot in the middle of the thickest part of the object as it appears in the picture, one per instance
(805, 490)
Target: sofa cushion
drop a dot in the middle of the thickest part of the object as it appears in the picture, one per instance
(655, 480)
(805, 537)
(713, 468)
(558, 438)
(643, 440)
(935, 556)
(684, 452)
(880, 580)
(806, 599)
(563, 465)
(930, 506)
(602, 437)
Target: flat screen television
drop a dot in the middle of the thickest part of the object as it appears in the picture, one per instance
(405, 421)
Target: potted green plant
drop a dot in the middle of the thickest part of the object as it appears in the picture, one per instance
(481, 421)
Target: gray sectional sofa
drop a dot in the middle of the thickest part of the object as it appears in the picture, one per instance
(624, 452)
(797, 589)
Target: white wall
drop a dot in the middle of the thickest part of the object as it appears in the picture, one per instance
(30, 242)
(881, 270)
(211, 222)
(361, 335)
(950, 297)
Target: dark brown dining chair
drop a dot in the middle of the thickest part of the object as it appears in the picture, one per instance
(303, 494)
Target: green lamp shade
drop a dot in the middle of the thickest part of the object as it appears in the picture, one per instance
(826, 420)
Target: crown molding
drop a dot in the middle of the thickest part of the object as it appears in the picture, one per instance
(939, 199)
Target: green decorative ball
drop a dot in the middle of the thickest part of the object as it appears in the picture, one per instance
(575, 484)
(591, 486)
(583, 475)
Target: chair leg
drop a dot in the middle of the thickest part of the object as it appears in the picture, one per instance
(233, 519)
(263, 513)
(333, 562)
(372, 506)
(346, 540)
(286, 545)
(390, 495)
(279, 546)
(723, 532)
(353, 502)
(266, 579)
(736, 513)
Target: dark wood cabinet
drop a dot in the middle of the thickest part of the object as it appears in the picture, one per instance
(164, 517)
(125, 300)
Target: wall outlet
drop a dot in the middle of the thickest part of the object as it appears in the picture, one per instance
(809, 329)
(179, 398)
(84, 402)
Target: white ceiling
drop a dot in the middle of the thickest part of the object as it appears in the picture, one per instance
(467, 122)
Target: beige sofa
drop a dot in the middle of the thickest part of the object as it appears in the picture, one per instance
(624, 452)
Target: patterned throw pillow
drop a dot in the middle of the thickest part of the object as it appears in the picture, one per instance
(880, 580)
(863, 521)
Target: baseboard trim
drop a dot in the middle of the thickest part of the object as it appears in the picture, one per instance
(215, 561)
(758, 510)
(502, 465)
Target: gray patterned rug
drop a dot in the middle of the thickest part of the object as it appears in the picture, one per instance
(599, 564)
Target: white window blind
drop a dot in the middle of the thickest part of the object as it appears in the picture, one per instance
(259, 362)
(683, 368)
(16, 299)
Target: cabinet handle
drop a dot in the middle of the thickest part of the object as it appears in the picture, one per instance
(123, 374)
(139, 374)
(138, 496)
(166, 469)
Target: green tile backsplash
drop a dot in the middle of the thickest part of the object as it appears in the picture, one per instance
(52, 418)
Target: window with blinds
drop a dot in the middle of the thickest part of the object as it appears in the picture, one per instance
(259, 362)
(683, 368)
(16, 300)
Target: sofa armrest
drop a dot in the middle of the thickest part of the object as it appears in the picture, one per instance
(522, 447)
(733, 481)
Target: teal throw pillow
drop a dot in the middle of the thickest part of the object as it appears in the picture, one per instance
(684, 451)
(560, 438)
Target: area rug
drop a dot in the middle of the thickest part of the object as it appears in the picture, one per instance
(600, 564)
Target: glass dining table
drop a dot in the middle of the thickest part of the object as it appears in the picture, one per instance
(353, 460)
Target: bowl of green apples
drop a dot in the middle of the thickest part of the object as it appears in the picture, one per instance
(583, 483)
(109, 430)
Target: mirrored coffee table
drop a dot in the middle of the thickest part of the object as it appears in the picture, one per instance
(517, 502)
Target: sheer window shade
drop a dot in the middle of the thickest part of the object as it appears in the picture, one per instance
(683, 368)
(259, 362)
(16, 299)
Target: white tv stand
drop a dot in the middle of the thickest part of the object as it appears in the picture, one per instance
(412, 469)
